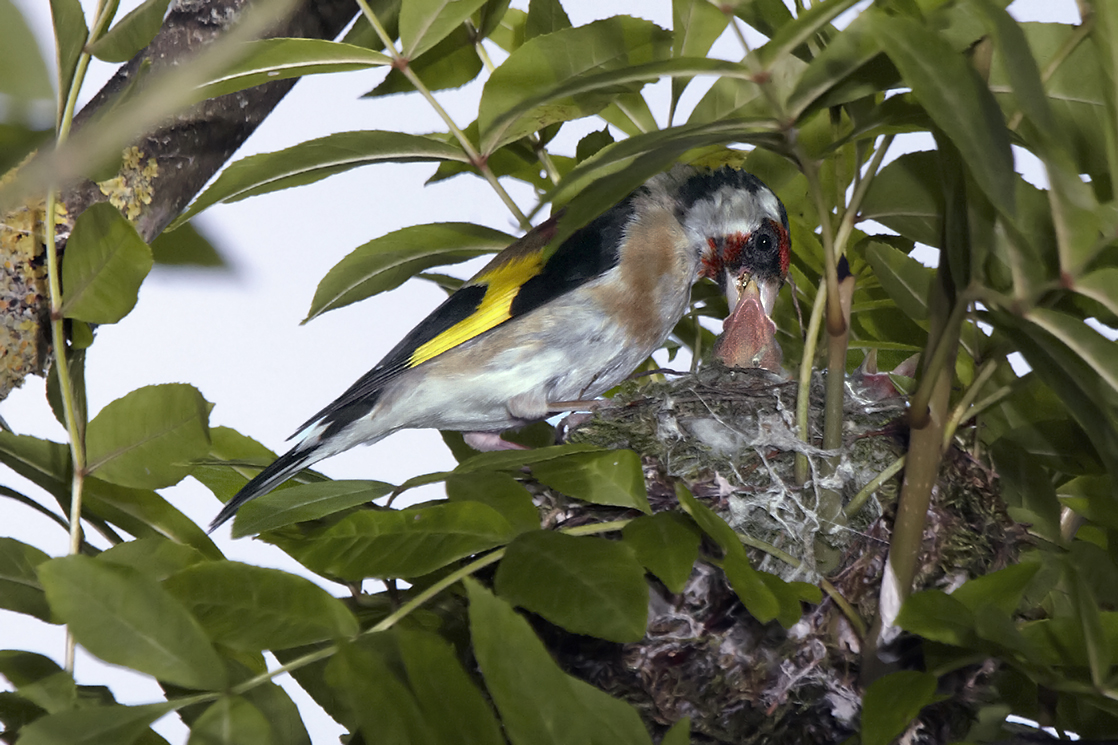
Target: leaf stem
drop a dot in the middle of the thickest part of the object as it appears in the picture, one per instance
(962, 409)
(803, 395)
(945, 349)
(830, 259)
(859, 500)
(434, 589)
(1077, 37)
(832, 591)
(476, 159)
(846, 226)
(540, 150)
(57, 329)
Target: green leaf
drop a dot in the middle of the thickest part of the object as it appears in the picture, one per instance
(586, 585)
(1097, 351)
(635, 159)
(1074, 86)
(907, 196)
(70, 34)
(1002, 589)
(362, 34)
(546, 62)
(767, 16)
(534, 697)
(1090, 496)
(1105, 27)
(514, 460)
(311, 678)
(282, 715)
(1077, 385)
(387, 262)
(696, 25)
(144, 513)
(667, 544)
(612, 721)
(158, 558)
(132, 33)
(907, 281)
(590, 90)
(956, 99)
(501, 492)
(399, 543)
(892, 702)
(387, 711)
(613, 477)
(23, 73)
(758, 599)
(840, 59)
(304, 502)
(94, 725)
(1100, 285)
(679, 734)
(592, 144)
(186, 246)
(39, 679)
(450, 701)
(234, 459)
(140, 512)
(451, 63)
(993, 624)
(792, 36)
(252, 608)
(1059, 444)
(268, 60)
(790, 595)
(105, 263)
(935, 615)
(1027, 489)
(629, 112)
(231, 720)
(127, 619)
(20, 590)
(147, 438)
(424, 23)
(507, 26)
(1086, 608)
(314, 160)
(728, 97)
(545, 17)
(1021, 66)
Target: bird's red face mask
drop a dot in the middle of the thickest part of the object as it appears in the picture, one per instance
(750, 269)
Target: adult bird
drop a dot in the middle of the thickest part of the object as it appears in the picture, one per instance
(542, 328)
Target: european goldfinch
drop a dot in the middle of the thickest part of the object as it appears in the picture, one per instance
(539, 328)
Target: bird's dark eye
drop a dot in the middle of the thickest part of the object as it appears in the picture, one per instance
(765, 242)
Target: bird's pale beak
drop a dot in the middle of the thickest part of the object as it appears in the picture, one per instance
(749, 335)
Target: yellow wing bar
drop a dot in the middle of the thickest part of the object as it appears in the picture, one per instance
(502, 285)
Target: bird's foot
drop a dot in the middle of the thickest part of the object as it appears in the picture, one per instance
(488, 442)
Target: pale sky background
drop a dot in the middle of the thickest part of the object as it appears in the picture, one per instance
(235, 335)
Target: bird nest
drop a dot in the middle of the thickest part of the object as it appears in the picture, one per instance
(729, 436)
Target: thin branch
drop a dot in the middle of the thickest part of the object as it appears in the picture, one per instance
(803, 395)
(859, 500)
(403, 65)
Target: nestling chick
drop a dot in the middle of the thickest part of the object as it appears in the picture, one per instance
(541, 327)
